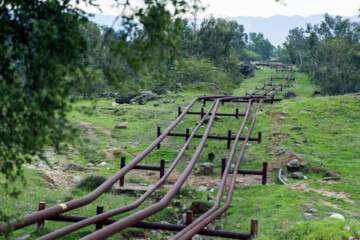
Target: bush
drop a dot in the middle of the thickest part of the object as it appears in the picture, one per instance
(90, 183)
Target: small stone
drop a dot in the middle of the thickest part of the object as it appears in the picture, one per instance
(76, 179)
(201, 188)
(337, 216)
(282, 118)
(102, 164)
(206, 168)
(295, 128)
(123, 125)
(278, 205)
(305, 177)
(154, 233)
(307, 214)
(293, 165)
(297, 175)
(156, 105)
(284, 113)
(303, 111)
(313, 210)
(347, 228)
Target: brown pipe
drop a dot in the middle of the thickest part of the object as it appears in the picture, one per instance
(76, 203)
(142, 214)
(101, 217)
(205, 219)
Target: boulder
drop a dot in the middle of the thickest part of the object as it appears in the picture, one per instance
(293, 165)
(246, 69)
(206, 168)
(144, 97)
(211, 156)
(121, 99)
(297, 175)
(289, 94)
(76, 167)
(123, 125)
(200, 207)
(337, 216)
(178, 86)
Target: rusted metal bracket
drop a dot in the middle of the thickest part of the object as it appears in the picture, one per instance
(141, 167)
(229, 138)
(262, 173)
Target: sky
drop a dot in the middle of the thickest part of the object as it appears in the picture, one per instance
(258, 8)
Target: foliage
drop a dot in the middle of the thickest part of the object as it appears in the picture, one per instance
(41, 50)
(260, 45)
(44, 48)
(191, 71)
(329, 52)
(91, 182)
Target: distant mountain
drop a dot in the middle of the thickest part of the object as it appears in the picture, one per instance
(274, 28)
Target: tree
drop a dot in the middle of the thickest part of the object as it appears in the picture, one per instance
(260, 45)
(216, 36)
(43, 54)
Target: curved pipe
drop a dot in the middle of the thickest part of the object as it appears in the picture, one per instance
(192, 229)
(101, 217)
(225, 174)
(76, 203)
(144, 213)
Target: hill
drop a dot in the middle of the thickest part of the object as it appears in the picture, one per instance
(321, 132)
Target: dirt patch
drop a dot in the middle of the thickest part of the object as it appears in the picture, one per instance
(197, 180)
(91, 129)
(110, 152)
(351, 213)
(302, 187)
(276, 116)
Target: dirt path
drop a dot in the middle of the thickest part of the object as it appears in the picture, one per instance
(109, 151)
(303, 187)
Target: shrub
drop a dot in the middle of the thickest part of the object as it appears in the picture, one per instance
(90, 183)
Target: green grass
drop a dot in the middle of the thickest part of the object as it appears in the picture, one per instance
(329, 135)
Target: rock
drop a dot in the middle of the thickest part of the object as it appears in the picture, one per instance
(289, 95)
(211, 156)
(156, 105)
(76, 179)
(295, 128)
(313, 210)
(282, 118)
(307, 214)
(90, 165)
(102, 164)
(206, 168)
(317, 92)
(114, 104)
(337, 216)
(123, 125)
(297, 175)
(303, 111)
(121, 100)
(75, 166)
(283, 173)
(199, 207)
(246, 69)
(201, 188)
(144, 97)
(293, 165)
(347, 228)
(178, 86)
(211, 197)
(154, 233)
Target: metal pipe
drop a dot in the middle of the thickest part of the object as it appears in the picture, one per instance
(76, 203)
(203, 220)
(66, 230)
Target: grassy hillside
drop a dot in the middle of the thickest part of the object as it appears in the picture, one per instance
(327, 141)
